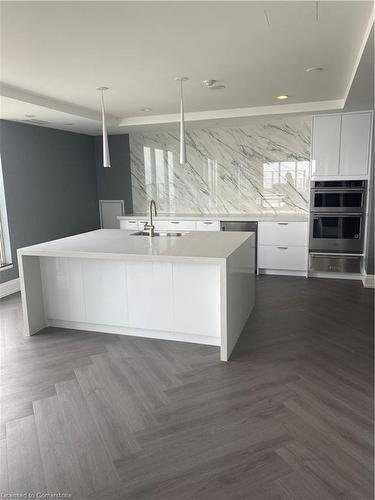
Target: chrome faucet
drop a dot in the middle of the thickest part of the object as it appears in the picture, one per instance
(149, 226)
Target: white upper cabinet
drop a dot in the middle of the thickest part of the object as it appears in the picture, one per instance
(341, 145)
(326, 145)
(355, 144)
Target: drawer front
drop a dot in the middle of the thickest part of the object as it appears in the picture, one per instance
(129, 224)
(283, 233)
(282, 257)
(175, 225)
(208, 225)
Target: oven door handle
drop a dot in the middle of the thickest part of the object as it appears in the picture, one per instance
(334, 255)
(337, 190)
(316, 215)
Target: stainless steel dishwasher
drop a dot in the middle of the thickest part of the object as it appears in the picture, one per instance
(247, 226)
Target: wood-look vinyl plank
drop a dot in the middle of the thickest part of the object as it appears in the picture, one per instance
(340, 439)
(108, 414)
(169, 458)
(341, 486)
(142, 382)
(60, 462)
(354, 398)
(302, 486)
(4, 483)
(25, 470)
(97, 471)
(345, 421)
(120, 393)
(322, 445)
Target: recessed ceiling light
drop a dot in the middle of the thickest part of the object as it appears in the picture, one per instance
(216, 87)
(211, 85)
(146, 110)
(314, 68)
(30, 116)
(282, 97)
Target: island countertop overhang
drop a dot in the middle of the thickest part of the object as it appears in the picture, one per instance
(117, 244)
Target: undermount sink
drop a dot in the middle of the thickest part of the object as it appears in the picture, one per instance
(145, 233)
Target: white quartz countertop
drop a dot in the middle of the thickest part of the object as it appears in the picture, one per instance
(118, 244)
(223, 217)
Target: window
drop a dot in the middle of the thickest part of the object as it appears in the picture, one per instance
(5, 253)
(160, 177)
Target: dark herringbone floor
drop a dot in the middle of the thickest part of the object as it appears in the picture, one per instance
(110, 417)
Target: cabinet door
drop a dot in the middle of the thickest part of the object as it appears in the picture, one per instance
(282, 258)
(62, 288)
(150, 295)
(104, 287)
(283, 233)
(196, 297)
(326, 146)
(175, 225)
(355, 144)
(128, 224)
(208, 225)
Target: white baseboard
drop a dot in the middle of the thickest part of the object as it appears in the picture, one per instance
(368, 280)
(280, 272)
(9, 287)
(136, 332)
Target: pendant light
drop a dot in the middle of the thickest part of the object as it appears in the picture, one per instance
(181, 79)
(106, 159)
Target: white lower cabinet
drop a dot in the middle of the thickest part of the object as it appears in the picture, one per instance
(196, 299)
(104, 289)
(175, 226)
(282, 246)
(129, 224)
(150, 295)
(208, 225)
(177, 298)
(282, 233)
(62, 288)
(282, 258)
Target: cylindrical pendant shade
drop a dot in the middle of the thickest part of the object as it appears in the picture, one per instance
(106, 158)
(182, 161)
(182, 133)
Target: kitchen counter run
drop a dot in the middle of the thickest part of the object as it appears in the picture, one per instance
(222, 217)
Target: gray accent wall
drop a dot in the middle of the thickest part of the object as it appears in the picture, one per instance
(115, 183)
(50, 185)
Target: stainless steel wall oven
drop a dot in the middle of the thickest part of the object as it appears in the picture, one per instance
(337, 224)
(338, 196)
(336, 232)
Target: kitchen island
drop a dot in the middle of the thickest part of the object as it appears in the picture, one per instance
(195, 287)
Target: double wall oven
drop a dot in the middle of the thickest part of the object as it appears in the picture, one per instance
(337, 224)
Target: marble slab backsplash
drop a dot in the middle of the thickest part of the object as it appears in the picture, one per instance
(261, 168)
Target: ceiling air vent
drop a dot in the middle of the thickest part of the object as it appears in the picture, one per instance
(36, 122)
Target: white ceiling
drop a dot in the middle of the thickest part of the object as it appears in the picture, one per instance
(54, 55)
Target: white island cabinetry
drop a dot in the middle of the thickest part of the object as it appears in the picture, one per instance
(198, 287)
